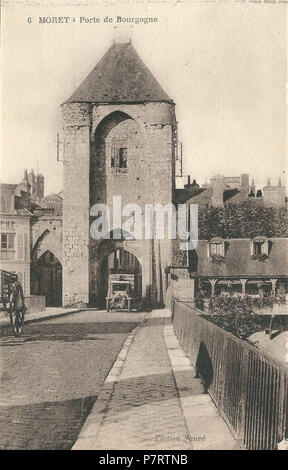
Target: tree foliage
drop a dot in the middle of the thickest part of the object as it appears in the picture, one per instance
(245, 220)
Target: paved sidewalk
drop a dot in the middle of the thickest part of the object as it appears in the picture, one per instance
(152, 398)
(48, 313)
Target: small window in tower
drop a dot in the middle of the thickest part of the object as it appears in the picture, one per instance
(114, 159)
(122, 157)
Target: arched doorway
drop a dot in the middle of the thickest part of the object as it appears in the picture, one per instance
(116, 149)
(46, 279)
(119, 261)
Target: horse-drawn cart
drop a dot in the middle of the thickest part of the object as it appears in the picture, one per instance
(12, 300)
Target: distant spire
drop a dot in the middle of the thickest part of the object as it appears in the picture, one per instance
(279, 182)
(268, 182)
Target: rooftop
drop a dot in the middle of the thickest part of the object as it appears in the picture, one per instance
(120, 76)
(238, 262)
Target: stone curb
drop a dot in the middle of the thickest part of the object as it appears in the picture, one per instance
(93, 423)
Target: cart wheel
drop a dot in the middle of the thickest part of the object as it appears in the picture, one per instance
(17, 310)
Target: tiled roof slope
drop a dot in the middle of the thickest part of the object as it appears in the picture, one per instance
(238, 260)
(120, 76)
(204, 196)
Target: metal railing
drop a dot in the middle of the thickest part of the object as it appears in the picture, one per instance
(249, 386)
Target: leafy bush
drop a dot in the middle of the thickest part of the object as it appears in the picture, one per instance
(223, 304)
(261, 257)
(179, 256)
(217, 259)
(238, 315)
(245, 220)
(239, 325)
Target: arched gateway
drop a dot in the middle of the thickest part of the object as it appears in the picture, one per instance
(46, 279)
(119, 139)
(118, 261)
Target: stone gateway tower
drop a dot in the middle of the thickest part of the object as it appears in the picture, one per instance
(120, 137)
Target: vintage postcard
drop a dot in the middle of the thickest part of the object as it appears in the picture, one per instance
(144, 228)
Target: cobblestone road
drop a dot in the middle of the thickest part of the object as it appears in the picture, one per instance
(50, 377)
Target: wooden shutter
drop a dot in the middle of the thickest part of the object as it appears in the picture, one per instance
(265, 247)
(26, 247)
(20, 252)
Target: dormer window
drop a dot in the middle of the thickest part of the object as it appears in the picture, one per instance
(259, 247)
(216, 249)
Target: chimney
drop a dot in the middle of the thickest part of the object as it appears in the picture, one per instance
(217, 183)
(244, 180)
(191, 187)
(40, 186)
(244, 183)
(253, 188)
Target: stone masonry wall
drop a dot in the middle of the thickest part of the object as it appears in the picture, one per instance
(149, 130)
(46, 234)
(76, 203)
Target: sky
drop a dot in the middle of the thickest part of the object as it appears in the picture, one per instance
(223, 64)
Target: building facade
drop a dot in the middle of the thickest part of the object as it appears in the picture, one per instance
(119, 139)
(31, 239)
(15, 235)
(243, 266)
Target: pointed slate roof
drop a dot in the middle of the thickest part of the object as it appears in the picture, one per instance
(120, 77)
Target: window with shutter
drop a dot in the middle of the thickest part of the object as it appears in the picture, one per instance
(259, 247)
(20, 254)
(7, 246)
(26, 247)
(216, 249)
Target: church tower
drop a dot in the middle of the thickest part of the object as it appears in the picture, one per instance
(120, 136)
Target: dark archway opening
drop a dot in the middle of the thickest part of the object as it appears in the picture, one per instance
(46, 279)
(98, 190)
(119, 261)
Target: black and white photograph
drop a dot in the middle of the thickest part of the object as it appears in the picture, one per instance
(144, 228)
